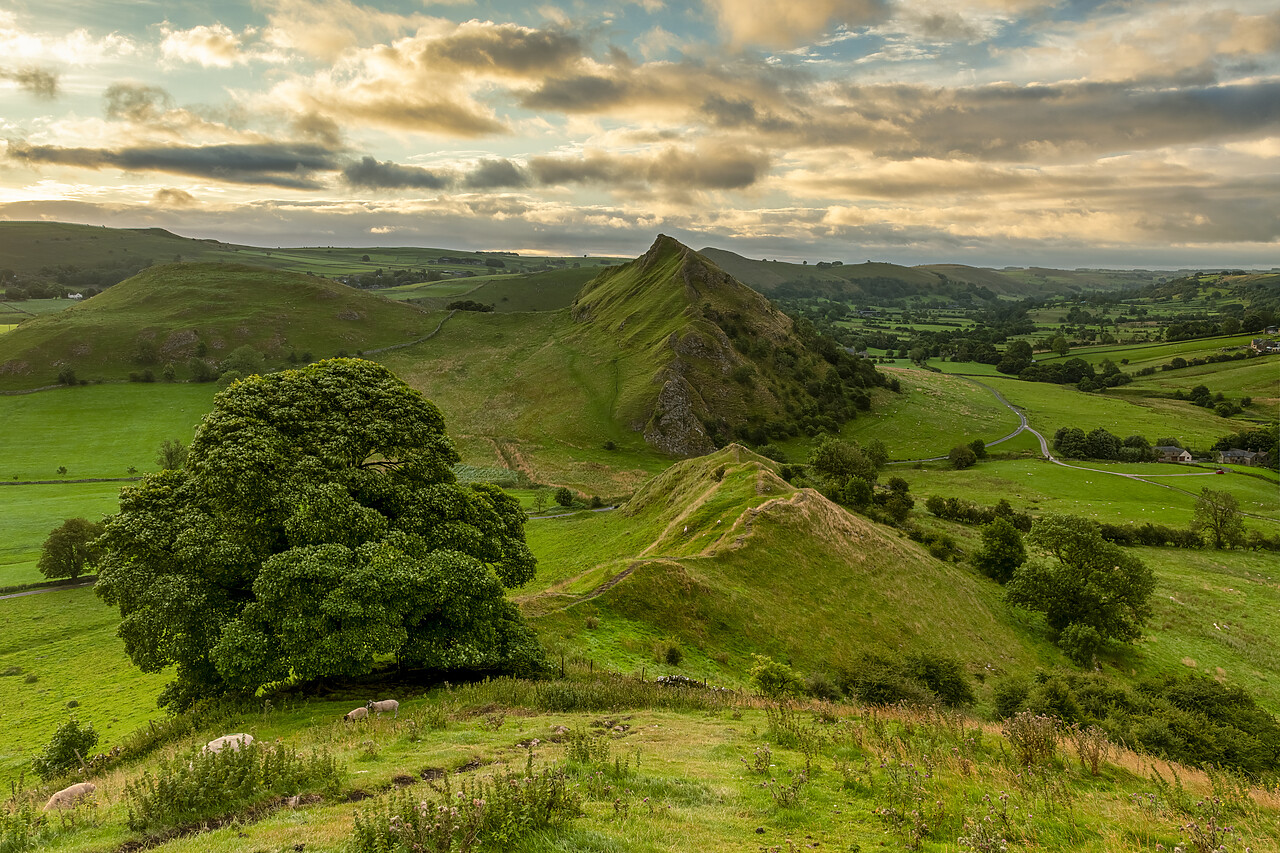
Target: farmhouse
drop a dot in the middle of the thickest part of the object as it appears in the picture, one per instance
(1242, 457)
(1165, 453)
(1264, 345)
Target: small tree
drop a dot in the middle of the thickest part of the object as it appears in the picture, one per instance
(69, 549)
(979, 448)
(773, 679)
(1218, 514)
(962, 456)
(1002, 550)
(564, 496)
(173, 454)
(539, 500)
(67, 748)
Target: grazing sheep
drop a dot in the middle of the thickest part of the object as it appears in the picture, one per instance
(385, 706)
(70, 797)
(234, 742)
(356, 714)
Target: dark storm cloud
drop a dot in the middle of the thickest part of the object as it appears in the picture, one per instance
(279, 165)
(37, 81)
(495, 174)
(374, 174)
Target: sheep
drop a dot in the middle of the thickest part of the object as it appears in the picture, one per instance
(234, 742)
(385, 706)
(70, 797)
(356, 714)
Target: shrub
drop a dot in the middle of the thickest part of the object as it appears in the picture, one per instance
(564, 497)
(201, 785)
(1009, 695)
(962, 456)
(942, 674)
(774, 679)
(68, 747)
(1034, 738)
(495, 813)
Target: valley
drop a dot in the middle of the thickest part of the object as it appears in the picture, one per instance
(682, 412)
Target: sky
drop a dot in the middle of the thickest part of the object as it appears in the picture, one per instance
(985, 132)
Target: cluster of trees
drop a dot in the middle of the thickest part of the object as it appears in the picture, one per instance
(1262, 439)
(316, 530)
(468, 305)
(847, 472)
(1204, 398)
(966, 455)
(965, 512)
(57, 281)
(1078, 372)
(1075, 443)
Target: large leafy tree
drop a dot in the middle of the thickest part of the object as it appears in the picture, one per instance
(1089, 590)
(316, 530)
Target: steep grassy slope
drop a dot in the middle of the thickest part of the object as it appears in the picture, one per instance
(183, 311)
(725, 559)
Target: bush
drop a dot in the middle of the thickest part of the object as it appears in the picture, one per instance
(942, 674)
(201, 785)
(1034, 738)
(962, 456)
(69, 746)
(1009, 696)
(564, 497)
(773, 679)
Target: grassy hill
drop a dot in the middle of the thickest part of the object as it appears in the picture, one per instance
(177, 312)
(723, 558)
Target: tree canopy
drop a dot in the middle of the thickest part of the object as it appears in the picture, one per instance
(1089, 590)
(316, 530)
(1218, 514)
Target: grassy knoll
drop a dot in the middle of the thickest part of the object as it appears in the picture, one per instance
(723, 559)
(1216, 612)
(1049, 407)
(203, 311)
(521, 391)
(64, 644)
(29, 513)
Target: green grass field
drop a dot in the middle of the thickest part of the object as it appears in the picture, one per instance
(1049, 407)
(29, 513)
(1040, 487)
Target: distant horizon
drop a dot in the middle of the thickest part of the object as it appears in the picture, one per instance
(989, 133)
(813, 259)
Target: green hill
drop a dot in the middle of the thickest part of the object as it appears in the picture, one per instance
(179, 312)
(723, 558)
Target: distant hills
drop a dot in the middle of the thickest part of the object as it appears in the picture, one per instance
(178, 315)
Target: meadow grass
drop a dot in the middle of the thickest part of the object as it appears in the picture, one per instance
(933, 414)
(29, 513)
(61, 647)
(1049, 407)
(1042, 487)
(96, 430)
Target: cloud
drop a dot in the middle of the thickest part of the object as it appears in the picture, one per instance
(710, 166)
(37, 81)
(495, 174)
(787, 23)
(270, 164)
(499, 49)
(372, 174)
(136, 102)
(212, 46)
(327, 28)
(169, 197)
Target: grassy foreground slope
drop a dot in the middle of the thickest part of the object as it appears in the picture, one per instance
(185, 311)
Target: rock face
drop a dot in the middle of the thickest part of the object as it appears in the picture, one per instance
(675, 426)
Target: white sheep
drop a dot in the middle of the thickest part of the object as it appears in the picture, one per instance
(356, 714)
(234, 742)
(385, 706)
(70, 797)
